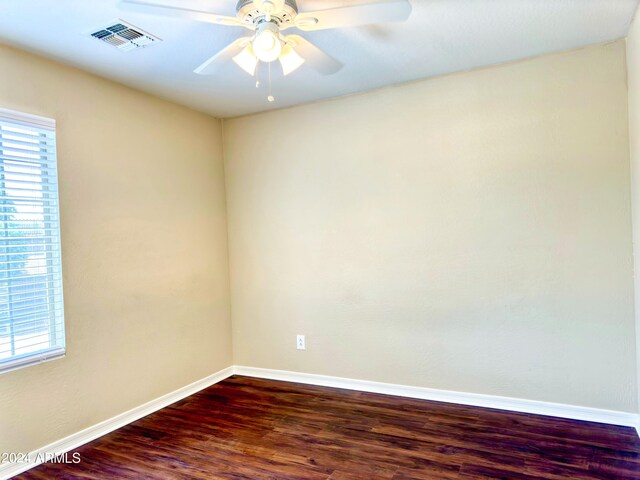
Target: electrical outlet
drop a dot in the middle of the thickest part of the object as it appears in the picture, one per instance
(300, 344)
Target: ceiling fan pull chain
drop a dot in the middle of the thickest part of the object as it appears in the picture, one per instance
(270, 97)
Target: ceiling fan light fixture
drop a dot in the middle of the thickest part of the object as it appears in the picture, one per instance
(290, 60)
(266, 19)
(247, 60)
(267, 45)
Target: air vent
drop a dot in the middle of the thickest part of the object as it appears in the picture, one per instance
(124, 36)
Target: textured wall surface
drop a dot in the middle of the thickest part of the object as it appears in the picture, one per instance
(633, 69)
(469, 233)
(144, 252)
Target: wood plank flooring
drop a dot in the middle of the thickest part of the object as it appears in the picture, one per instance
(246, 428)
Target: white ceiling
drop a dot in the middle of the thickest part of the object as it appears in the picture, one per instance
(441, 36)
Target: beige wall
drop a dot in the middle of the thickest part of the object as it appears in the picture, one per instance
(144, 252)
(468, 233)
(633, 68)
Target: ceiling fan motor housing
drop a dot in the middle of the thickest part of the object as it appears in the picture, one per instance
(247, 12)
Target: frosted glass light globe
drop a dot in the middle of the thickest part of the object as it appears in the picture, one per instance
(267, 45)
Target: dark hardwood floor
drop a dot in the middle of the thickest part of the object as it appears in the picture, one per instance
(245, 428)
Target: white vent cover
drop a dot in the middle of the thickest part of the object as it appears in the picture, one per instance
(124, 36)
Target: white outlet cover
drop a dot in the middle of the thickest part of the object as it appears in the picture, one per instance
(300, 342)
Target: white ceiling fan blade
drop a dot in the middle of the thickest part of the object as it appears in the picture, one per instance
(313, 56)
(365, 14)
(210, 66)
(180, 12)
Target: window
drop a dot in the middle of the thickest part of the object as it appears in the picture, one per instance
(31, 309)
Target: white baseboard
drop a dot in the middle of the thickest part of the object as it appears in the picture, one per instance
(78, 439)
(572, 412)
(8, 470)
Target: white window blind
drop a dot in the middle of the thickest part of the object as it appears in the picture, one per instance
(31, 308)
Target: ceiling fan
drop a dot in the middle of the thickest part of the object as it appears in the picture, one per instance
(267, 19)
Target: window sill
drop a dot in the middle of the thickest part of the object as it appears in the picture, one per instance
(32, 359)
